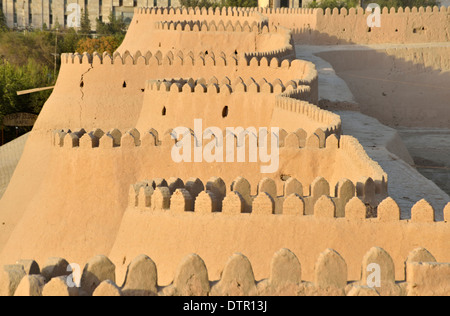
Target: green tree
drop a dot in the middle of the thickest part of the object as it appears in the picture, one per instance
(334, 4)
(100, 45)
(199, 3)
(219, 3)
(85, 23)
(18, 48)
(241, 3)
(68, 41)
(3, 26)
(14, 78)
(113, 27)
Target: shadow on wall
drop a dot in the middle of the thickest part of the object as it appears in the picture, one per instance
(407, 25)
(402, 87)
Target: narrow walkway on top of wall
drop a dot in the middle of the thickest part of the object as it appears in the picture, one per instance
(382, 143)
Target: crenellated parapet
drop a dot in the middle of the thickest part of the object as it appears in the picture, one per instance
(212, 26)
(284, 49)
(370, 179)
(384, 11)
(272, 59)
(275, 58)
(349, 26)
(425, 276)
(162, 108)
(66, 138)
(197, 11)
(227, 85)
(129, 138)
(354, 201)
(300, 100)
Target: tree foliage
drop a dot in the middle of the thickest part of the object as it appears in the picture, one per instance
(15, 78)
(27, 61)
(241, 3)
(114, 26)
(68, 41)
(100, 45)
(18, 48)
(3, 27)
(85, 23)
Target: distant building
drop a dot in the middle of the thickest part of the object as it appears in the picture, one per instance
(23, 14)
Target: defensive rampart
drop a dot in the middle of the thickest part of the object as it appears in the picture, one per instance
(193, 278)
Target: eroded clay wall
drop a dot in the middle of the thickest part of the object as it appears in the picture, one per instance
(425, 276)
(238, 104)
(319, 27)
(213, 218)
(92, 92)
(398, 86)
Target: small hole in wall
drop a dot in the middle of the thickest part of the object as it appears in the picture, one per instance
(225, 111)
(414, 31)
(160, 44)
(124, 85)
(343, 30)
(81, 84)
(163, 112)
(235, 52)
(206, 53)
(396, 30)
(369, 30)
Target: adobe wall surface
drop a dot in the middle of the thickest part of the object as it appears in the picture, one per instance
(383, 143)
(258, 236)
(398, 86)
(89, 87)
(425, 276)
(10, 154)
(319, 27)
(108, 126)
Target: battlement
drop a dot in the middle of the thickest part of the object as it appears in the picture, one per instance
(212, 26)
(299, 139)
(224, 11)
(329, 27)
(289, 96)
(296, 100)
(251, 12)
(384, 11)
(361, 201)
(220, 89)
(227, 86)
(351, 11)
(132, 138)
(192, 277)
(272, 59)
(285, 51)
